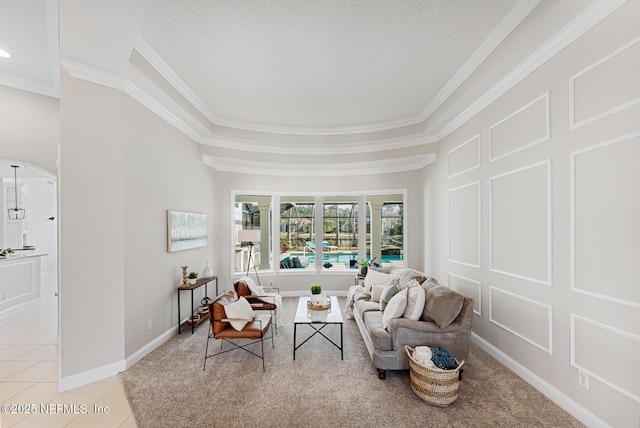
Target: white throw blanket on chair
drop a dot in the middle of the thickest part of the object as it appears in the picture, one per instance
(258, 290)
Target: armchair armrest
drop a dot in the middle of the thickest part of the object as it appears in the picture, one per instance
(236, 319)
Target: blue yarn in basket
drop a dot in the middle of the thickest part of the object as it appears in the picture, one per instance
(442, 358)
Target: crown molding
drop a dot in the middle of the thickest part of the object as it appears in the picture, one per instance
(320, 148)
(578, 26)
(121, 83)
(152, 57)
(243, 166)
(583, 22)
(516, 15)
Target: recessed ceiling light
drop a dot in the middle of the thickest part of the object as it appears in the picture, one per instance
(4, 54)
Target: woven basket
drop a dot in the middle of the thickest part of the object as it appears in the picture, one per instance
(434, 385)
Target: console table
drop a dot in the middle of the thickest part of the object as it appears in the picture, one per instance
(188, 287)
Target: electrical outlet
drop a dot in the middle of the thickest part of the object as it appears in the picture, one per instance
(150, 324)
(583, 379)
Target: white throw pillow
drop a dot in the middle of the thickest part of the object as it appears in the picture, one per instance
(395, 308)
(255, 289)
(416, 298)
(374, 278)
(376, 292)
(240, 309)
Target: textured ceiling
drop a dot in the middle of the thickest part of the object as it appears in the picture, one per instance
(319, 66)
(296, 84)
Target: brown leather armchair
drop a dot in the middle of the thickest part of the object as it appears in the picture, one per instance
(255, 329)
(258, 303)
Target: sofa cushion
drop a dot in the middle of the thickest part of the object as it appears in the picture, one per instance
(442, 305)
(365, 305)
(380, 338)
(374, 278)
(387, 294)
(395, 307)
(416, 298)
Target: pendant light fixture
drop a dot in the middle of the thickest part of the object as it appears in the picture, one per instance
(16, 213)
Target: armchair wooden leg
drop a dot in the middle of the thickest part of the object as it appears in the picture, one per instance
(382, 374)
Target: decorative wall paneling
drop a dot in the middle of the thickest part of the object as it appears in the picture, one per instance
(523, 128)
(465, 157)
(605, 220)
(527, 319)
(520, 223)
(465, 224)
(603, 352)
(468, 287)
(591, 100)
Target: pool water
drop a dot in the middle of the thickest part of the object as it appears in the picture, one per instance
(341, 257)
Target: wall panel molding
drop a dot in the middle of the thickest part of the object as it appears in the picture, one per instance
(468, 287)
(603, 246)
(520, 231)
(525, 318)
(620, 70)
(525, 127)
(603, 351)
(465, 157)
(465, 224)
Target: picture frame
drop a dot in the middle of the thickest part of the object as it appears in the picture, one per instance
(186, 230)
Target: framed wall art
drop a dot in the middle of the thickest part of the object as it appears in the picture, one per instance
(186, 230)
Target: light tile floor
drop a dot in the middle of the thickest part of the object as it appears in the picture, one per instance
(29, 376)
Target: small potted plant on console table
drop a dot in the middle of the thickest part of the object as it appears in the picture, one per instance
(193, 276)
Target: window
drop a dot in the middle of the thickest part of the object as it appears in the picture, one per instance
(336, 223)
(385, 237)
(253, 212)
(340, 233)
(297, 232)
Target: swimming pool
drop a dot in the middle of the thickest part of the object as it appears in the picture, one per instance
(344, 257)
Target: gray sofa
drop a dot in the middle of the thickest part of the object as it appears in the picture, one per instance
(446, 320)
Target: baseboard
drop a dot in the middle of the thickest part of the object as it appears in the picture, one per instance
(150, 347)
(562, 400)
(74, 381)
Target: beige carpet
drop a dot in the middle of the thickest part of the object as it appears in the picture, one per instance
(169, 389)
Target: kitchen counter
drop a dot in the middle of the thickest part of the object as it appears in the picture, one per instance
(19, 278)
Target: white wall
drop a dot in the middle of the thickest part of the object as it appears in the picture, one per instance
(92, 244)
(532, 210)
(162, 170)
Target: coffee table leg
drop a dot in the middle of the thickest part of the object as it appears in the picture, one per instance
(294, 340)
(341, 344)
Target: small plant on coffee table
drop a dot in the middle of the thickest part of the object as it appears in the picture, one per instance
(316, 289)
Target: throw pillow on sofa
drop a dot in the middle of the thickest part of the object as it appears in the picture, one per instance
(443, 305)
(374, 278)
(416, 298)
(376, 292)
(387, 294)
(395, 308)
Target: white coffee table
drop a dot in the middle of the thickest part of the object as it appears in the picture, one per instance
(317, 320)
